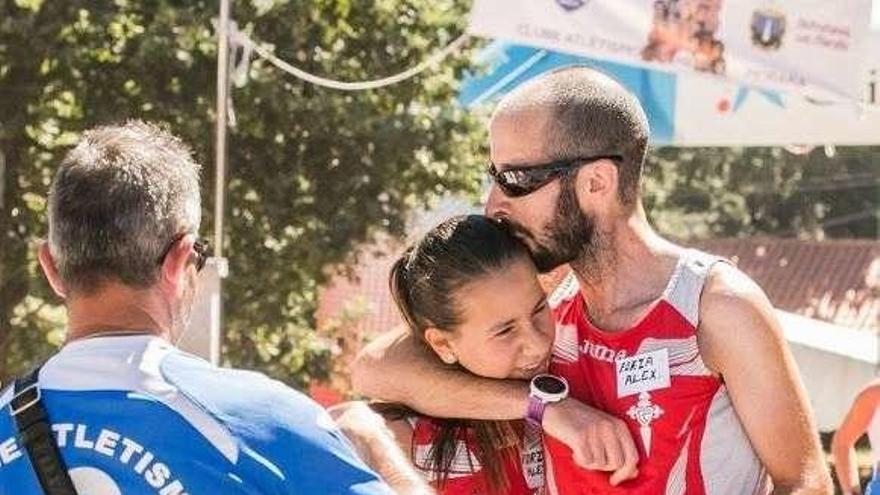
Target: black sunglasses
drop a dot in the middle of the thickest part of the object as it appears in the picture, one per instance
(520, 180)
(201, 247)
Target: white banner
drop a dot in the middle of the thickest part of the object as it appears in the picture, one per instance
(728, 114)
(816, 46)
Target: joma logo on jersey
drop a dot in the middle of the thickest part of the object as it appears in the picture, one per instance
(601, 352)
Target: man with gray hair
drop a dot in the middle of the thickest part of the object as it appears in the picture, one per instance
(121, 410)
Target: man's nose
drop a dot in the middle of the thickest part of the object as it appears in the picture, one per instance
(496, 203)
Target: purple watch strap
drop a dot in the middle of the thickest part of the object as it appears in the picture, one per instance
(535, 412)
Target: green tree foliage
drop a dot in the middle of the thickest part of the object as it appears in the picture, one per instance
(736, 192)
(312, 172)
(315, 172)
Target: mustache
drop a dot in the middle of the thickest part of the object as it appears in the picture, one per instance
(515, 228)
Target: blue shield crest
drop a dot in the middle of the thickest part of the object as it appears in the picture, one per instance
(768, 28)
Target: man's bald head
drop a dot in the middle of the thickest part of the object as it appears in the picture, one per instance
(584, 113)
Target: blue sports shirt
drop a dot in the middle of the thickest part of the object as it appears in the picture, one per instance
(134, 415)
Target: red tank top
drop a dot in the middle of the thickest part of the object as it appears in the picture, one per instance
(652, 376)
(466, 476)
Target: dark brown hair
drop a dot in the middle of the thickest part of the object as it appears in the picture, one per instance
(423, 283)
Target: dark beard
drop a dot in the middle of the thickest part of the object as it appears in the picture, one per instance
(569, 236)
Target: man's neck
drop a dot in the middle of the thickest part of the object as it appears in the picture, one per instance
(114, 309)
(626, 272)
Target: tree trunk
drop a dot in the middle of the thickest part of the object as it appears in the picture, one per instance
(13, 250)
(16, 224)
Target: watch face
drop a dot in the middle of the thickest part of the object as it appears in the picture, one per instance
(549, 384)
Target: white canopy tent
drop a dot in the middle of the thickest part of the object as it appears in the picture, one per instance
(835, 363)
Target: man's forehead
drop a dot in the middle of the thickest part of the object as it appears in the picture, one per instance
(518, 136)
(520, 118)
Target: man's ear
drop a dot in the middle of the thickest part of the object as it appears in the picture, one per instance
(176, 263)
(47, 263)
(600, 178)
(439, 341)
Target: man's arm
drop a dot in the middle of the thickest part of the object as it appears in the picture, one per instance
(376, 444)
(741, 339)
(397, 368)
(854, 426)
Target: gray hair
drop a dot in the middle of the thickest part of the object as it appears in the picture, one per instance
(588, 114)
(117, 202)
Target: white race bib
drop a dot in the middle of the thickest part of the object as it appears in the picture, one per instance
(533, 458)
(642, 373)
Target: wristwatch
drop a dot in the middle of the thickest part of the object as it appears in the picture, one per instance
(544, 389)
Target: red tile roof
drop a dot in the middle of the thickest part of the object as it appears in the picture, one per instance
(368, 285)
(836, 280)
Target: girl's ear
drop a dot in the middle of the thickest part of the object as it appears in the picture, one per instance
(439, 341)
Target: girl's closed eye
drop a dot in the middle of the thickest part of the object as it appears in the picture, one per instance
(503, 332)
(543, 306)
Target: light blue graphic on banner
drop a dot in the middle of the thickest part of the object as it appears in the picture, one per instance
(744, 92)
(505, 66)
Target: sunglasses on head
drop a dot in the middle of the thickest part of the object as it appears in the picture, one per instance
(201, 248)
(520, 180)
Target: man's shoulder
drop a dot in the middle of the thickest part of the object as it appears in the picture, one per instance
(236, 393)
(735, 316)
(728, 289)
(274, 423)
(870, 393)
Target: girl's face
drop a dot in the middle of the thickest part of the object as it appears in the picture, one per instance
(506, 331)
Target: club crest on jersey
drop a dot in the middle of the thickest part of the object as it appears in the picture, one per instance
(644, 412)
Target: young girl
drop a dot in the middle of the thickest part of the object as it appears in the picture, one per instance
(470, 292)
